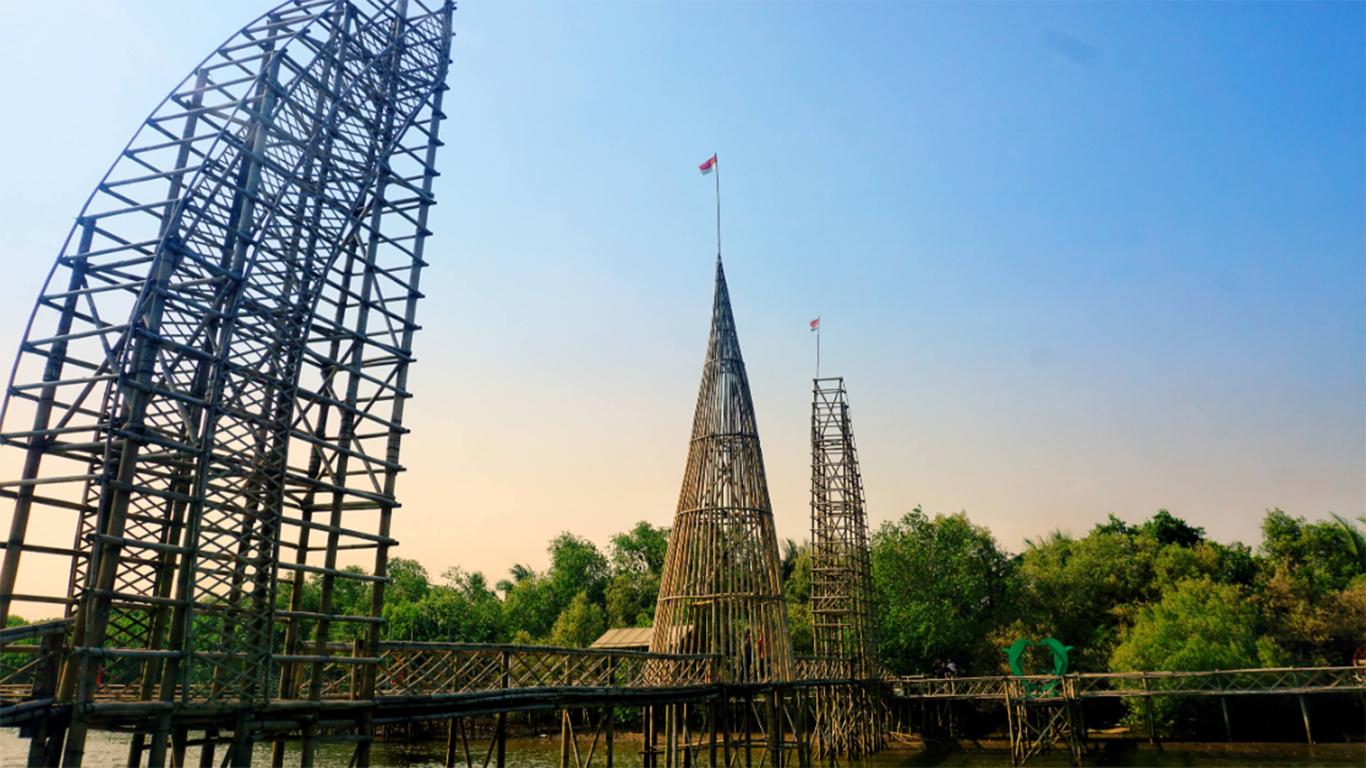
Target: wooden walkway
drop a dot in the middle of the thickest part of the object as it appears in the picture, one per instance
(1110, 685)
(692, 711)
(1047, 713)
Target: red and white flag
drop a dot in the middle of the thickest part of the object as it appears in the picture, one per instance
(708, 166)
(816, 324)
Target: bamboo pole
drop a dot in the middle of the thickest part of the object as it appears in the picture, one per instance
(1304, 713)
(775, 730)
(609, 723)
(450, 743)
(565, 736)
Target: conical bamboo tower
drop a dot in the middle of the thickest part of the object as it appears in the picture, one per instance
(721, 592)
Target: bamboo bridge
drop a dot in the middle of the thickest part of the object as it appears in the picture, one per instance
(689, 715)
(1046, 712)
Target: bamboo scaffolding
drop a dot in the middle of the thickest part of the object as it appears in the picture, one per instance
(220, 355)
(847, 718)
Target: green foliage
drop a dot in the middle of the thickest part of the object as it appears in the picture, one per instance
(1306, 587)
(636, 565)
(1078, 590)
(575, 565)
(631, 599)
(640, 550)
(529, 607)
(463, 609)
(533, 602)
(1152, 595)
(943, 586)
(791, 550)
(408, 581)
(12, 661)
(1356, 540)
(1169, 529)
(350, 597)
(518, 573)
(1199, 624)
(1085, 591)
(580, 624)
(797, 593)
(1317, 555)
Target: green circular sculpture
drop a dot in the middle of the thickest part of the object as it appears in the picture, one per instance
(1038, 688)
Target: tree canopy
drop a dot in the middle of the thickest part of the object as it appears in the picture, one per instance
(1156, 595)
(1122, 595)
(942, 587)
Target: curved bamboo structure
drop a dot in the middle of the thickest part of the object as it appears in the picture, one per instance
(721, 591)
(208, 402)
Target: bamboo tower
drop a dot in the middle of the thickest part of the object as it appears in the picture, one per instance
(847, 717)
(721, 591)
(841, 578)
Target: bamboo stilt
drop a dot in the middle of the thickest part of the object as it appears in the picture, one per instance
(1304, 713)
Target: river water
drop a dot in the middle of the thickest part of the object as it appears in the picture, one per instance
(106, 749)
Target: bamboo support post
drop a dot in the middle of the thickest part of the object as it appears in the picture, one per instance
(565, 736)
(450, 743)
(670, 736)
(712, 717)
(207, 749)
(609, 716)
(775, 730)
(1148, 711)
(1304, 714)
(748, 733)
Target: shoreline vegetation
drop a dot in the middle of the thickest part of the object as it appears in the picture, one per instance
(1155, 596)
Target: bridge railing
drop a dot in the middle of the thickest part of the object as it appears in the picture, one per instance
(427, 668)
(835, 668)
(1223, 682)
(1129, 684)
(29, 655)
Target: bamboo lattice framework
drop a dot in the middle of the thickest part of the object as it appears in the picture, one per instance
(848, 719)
(721, 590)
(207, 406)
(841, 574)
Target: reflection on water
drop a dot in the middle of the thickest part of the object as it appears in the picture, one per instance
(106, 749)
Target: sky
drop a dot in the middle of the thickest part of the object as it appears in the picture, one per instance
(1073, 260)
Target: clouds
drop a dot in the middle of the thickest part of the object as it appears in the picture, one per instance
(1071, 48)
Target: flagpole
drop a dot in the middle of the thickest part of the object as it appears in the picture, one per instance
(716, 170)
(817, 346)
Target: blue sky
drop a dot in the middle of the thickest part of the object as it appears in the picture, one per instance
(1073, 259)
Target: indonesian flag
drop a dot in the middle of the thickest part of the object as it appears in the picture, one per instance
(816, 324)
(708, 166)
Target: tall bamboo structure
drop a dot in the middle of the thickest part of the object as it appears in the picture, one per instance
(841, 577)
(207, 406)
(721, 590)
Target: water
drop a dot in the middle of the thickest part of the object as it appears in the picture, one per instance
(107, 749)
